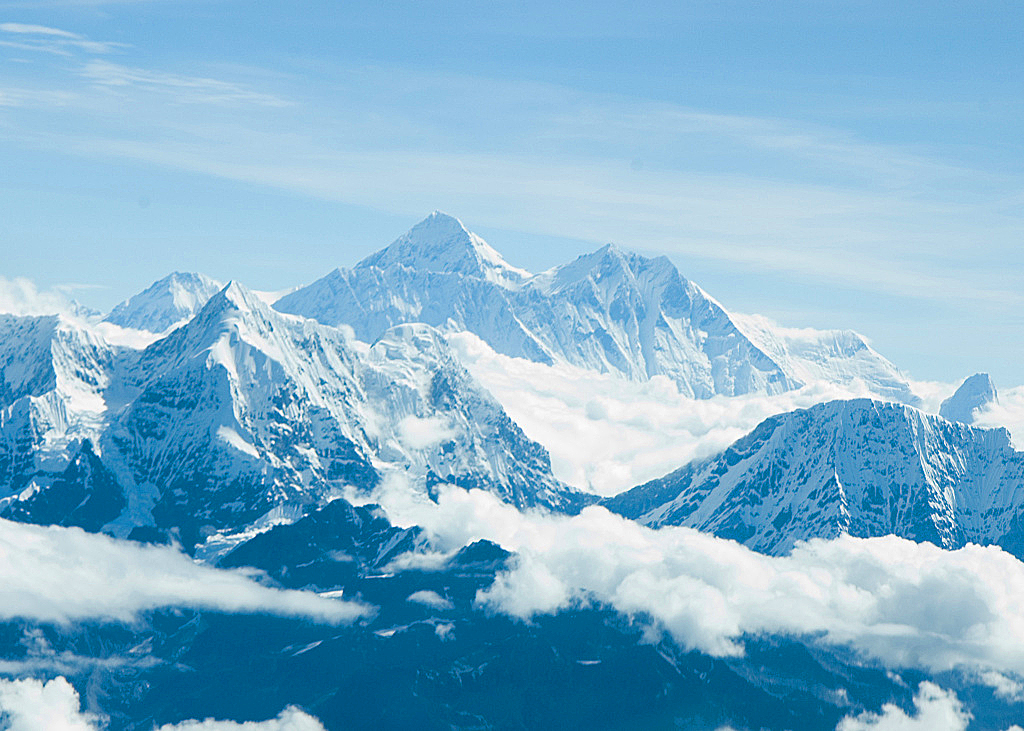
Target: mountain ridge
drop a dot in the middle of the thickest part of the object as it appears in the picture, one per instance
(863, 467)
(610, 311)
(243, 411)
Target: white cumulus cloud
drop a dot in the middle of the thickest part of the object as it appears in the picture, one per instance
(34, 705)
(52, 574)
(1008, 413)
(20, 296)
(430, 599)
(937, 710)
(421, 433)
(31, 705)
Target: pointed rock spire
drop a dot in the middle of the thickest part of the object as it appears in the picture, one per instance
(974, 394)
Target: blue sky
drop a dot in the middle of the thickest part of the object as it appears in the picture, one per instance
(827, 164)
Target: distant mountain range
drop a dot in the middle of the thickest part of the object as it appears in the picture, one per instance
(242, 415)
(610, 311)
(253, 436)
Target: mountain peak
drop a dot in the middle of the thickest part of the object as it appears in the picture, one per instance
(608, 261)
(974, 393)
(235, 297)
(166, 303)
(441, 243)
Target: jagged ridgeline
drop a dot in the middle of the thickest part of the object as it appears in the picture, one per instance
(862, 467)
(611, 311)
(241, 415)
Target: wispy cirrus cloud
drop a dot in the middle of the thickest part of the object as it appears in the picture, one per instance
(45, 39)
(179, 88)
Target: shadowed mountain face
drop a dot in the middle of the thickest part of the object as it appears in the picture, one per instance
(610, 311)
(861, 467)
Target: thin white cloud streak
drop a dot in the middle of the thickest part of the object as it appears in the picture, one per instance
(903, 603)
(37, 30)
(60, 575)
(54, 40)
(862, 234)
(181, 89)
(290, 719)
(936, 710)
(705, 217)
(54, 705)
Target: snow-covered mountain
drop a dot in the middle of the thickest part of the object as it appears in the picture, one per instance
(245, 414)
(53, 374)
(975, 393)
(842, 357)
(610, 311)
(245, 435)
(440, 243)
(861, 467)
(166, 303)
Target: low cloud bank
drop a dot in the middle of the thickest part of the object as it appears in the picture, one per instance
(904, 603)
(290, 719)
(52, 574)
(34, 705)
(609, 434)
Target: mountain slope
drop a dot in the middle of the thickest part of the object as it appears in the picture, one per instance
(609, 311)
(440, 243)
(860, 467)
(54, 375)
